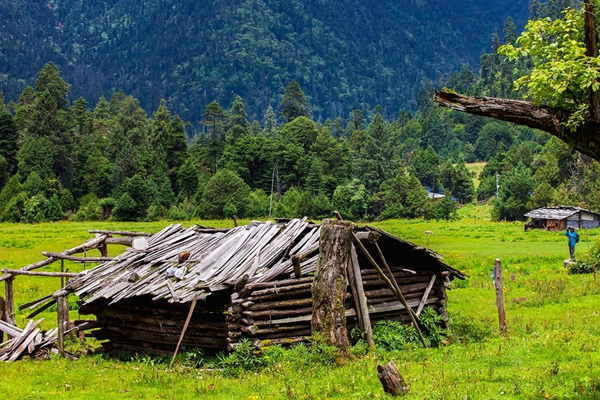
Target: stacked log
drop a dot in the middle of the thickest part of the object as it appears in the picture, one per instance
(131, 326)
(280, 312)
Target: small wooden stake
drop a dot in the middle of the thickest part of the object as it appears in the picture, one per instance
(499, 296)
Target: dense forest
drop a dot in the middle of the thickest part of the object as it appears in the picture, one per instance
(345, 54)
(61, 159)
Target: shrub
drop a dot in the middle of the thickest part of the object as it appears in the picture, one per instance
(465, 329)
(225, 187)
(588, 263)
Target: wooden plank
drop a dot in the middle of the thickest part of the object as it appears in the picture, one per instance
(60, 256)
(362, 299)
(78, 249)
(9, 329)
(425, 295)
(39, 273)
(10, 300)
(122, 233)
(61, 326)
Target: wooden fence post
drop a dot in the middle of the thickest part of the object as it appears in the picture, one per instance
(499, 295)
(10, 300)
(61, 325)
(329, 284)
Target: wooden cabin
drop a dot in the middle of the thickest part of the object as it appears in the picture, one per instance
(251, 282)
(561, 217)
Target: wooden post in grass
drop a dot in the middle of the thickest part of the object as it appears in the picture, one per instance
(60, 304)
(329, 284)
(10, 300)
(499, 295)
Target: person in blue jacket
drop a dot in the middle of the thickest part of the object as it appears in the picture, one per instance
(572, 235)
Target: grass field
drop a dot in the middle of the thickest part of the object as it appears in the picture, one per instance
(550, 351)
(476, 169)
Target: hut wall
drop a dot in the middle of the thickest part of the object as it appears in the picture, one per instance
(280, 312)
(277, 312)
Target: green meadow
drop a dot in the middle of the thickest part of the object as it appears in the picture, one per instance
(550, 350)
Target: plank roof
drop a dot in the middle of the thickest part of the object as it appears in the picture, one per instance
(218, 259)
(556, 213)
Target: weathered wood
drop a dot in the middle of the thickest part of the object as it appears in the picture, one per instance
(398, 293)
(185, 326)
(39, 273)
(584, 139)
(10, 301)
(122, 233)
(9, 329)
(125, 241)
(298, 258)
(362, 298)
(60, 256)
(329, 285)
(391, 380)
(425, 295)
(78, 249)
(61, 326)
(499, 295)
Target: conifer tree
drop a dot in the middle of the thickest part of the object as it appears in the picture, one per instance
(294, 103)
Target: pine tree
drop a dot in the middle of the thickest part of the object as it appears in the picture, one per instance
(214, 119)
(270, 121)
(294, 104)
(8, 141)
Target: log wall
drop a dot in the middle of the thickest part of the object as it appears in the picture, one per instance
(277, 312)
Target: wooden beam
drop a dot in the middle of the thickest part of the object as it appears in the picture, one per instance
(362, 298)
(425, 296)
(185, 326)
(122, 233)
(40, 273)
(60, 256)
(61, 326)
(92, 244)
(398, 294)
(10, 300)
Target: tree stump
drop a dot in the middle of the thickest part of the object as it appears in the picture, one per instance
(329, 285)
(389, 376)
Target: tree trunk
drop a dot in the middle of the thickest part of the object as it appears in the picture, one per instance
(586, 139)
(391, 380)
(329, 285)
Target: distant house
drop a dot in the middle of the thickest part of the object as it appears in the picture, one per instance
(561, 217)
(435, 196)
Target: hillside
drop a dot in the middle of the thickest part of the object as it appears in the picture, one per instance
(348, 54)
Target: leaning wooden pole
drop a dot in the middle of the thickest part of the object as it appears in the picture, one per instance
(185, 326)
(398, 294)
(362, 298)
(329, 285)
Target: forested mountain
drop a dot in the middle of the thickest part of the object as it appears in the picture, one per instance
(345, 54)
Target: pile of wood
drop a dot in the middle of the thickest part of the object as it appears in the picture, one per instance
(30, 341)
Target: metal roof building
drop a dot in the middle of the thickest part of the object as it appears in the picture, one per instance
(562, 217)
